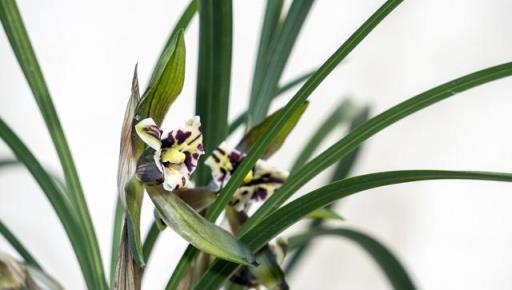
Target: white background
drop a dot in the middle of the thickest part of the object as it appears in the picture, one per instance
(450, 234)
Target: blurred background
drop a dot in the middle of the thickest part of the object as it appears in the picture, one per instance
(449, 234)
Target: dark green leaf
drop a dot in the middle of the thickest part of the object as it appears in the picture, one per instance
(275, 60)
(18, 246)
(166, 83)
(389, 264)
(150, 240)
(199, 232)
(257, 132)
(213, 76)
(292, 212)
(20, 43)
(64, 210)
(353, 139)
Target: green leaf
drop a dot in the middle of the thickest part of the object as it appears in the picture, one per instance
(198, 198)
(150, 240)
(134, 195)
(116, 238)
(18, 246)
(283, 89)
(293, 105)
(41, 280)
(324, 214)
(257, 132)
(275, 61)
(388, 263)
(353, 139)
(343, 113)
(199, 232)
(66, 213)
(268, 33)
(273, 224)
(15, 275)
(269, 272)
(213, 76)
(166, 83)
(341, 171)
(181, 24)
(20, 43)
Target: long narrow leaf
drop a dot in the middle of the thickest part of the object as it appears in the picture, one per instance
(341, 171)
(289, 214)
(350, 142)
(288, 111)
(18, 246)
(20, 43)
(213, 75)
(64, 211)
(275, 61)
(388, 263)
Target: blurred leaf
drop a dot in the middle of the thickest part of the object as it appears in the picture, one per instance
(341, 114)
(213, 76)
(324, 214)
(18, 246)
(150, 240)
(134, 195)
(197, 198)
(201, 233)
(116, 238)
(257, 132)
(275, 60)
(276, 222)
(17, 276)
(22, 48)
(58, 200)
(341, 171)
(128, 274)
(388, 263)
(269, 272)
(166, 83)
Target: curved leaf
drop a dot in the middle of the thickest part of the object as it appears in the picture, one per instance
(20, 43)
(199, 232)
(388, 263)
(289, 214)
(324, 214)
(166, 83)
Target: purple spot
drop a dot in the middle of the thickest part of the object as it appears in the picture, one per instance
(200, 147)
(189, 162)
(195, 155)
(182, 136)
(169, 141)
(259, 194)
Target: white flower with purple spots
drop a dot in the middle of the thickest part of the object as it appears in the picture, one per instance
(175, 156)
(258, 184)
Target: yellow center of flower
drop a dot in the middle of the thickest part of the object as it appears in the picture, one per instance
(173, 156)
(248, 178)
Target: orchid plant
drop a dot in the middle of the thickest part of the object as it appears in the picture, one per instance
(226, 200)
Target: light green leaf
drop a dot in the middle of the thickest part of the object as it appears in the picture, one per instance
(17, 276)
(257, 132)
(324, 214)
(284, 217)
(199, 232)
(269, 272)
(167, 82)
(213, 76)
(134, 195)
(198, 198)
(40, 280)
(388, 263)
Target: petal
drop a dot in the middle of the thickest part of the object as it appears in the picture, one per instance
(150, 133)
(176, 177)
(223, 162)
(149, 170)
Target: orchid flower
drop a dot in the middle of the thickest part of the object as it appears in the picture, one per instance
(174, 156)
(258, 184)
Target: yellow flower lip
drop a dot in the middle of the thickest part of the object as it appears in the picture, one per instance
(248, 178)
(173, 155)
